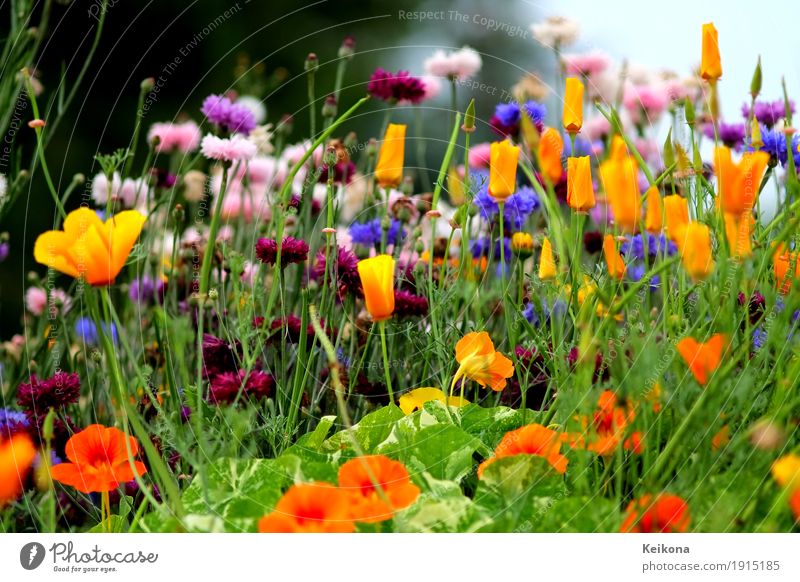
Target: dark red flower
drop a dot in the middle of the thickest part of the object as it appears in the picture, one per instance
(396, 87)
(593, 242)
(218, 356)
(292, 251)
(345, 272)
(755, 306)
(408, 304)
(343, 172)
(225, 387)
(39, 396)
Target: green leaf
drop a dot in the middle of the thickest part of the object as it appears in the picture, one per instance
(114, 524)
(370, 432)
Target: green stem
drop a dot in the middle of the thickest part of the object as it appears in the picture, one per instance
(385, 352)
(208, 256)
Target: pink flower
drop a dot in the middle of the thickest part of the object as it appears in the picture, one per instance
(588, 64)
(183, 137)
(479, 155)
(651, 100)
(246, 205)
(128, 191)
(232, 149)
(433, 86)
(36, 300)
(596, 127)
(460, 64)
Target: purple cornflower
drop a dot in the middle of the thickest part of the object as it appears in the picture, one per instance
(145, 289)
(233, 117)
(538, 316)
(656, 245)
(399, 87)
(768, 112)
(39, 396)
(292, 251)
(479, 247)
(370, 233)
(5, 249)
(86, 330)
(759, 338)
(730, 134)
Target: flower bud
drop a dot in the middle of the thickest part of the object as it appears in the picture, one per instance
(755, 83)
(147, 85)
(329, 108)
(469, 118)
(312, 63)
(348, 48)
(330, 156)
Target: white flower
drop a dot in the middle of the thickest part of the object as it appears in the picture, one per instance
(556, 31)
(262, 137)
(255, 105)
(129, 192)
(460, 64)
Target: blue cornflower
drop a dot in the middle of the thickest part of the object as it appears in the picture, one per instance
(86, 330)
(517, 208)
(759, 338)
(536, 318)
(638, 270)
(656, 245)
(508, 114)
(369, 233)
(12, 421)
(479, 247)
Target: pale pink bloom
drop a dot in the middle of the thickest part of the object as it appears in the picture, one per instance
(639, 74)
(352, 200)
(225, 233)
(604, 86)
(588, 64)
(433, 86)
(677, 88)
(232, 149)
(650, 100)
(649, 149)
(128, 191)
(249, 273)
(36, 300)
(396, 196)
(596, 127)
(245, 204)
(479, 155)
(193, 236)
(183, 137)
(294, 153)
(265, 170)
(556, 31)
(460, 64)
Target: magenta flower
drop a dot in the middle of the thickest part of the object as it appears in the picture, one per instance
(292, 251)
(398, 87)
(233, 117)
(39, 396)
(181, 137)
(233, 149)
(226, 386)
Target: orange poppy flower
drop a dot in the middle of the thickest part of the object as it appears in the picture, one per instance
(310, 508)
(616, 266)
(783, 263)
(389, 169)
(533, 439)
(89, 247)
(480, 362)
(663, 513)
(610, 423)
(710, 62)
(503, 159)
(99, 460)
(794, 503)
(703, 358)
(16, 455)
(619, 176)
(676, 217)
(551, 147)
(737, 231)
(580, 191)
(696, 252)
(377, 280)
(367, 503)
(738, 184)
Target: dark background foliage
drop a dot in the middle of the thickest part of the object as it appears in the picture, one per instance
(209, 46)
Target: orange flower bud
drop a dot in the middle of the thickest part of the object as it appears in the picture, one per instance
(711, 65)
(620, 181)
(377, 280)
(703, 358)
(551, 147)
(389, 171)
(676, 214)
(737, 231)
(547, 264)
(580, 192)
(653, 220)
(616, 266)
(503, 170)
(786, 267)
(696, 251)
(572, 117)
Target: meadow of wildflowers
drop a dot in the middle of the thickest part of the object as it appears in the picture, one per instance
(568, 324)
